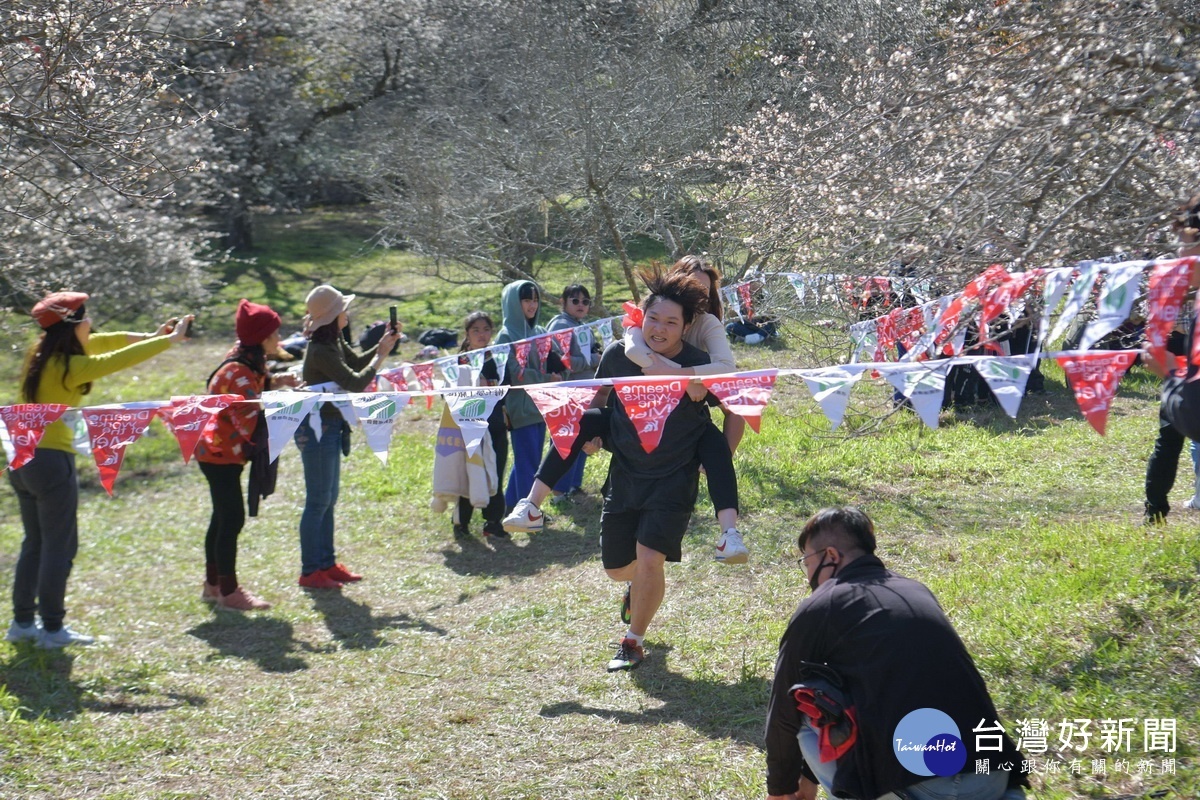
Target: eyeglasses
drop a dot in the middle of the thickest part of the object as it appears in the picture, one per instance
(802, 559)
(581, 301)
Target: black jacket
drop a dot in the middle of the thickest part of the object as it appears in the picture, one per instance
(895, 652)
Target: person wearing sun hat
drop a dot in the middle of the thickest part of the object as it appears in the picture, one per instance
(329, 359)
(228, 442)
(60, 368)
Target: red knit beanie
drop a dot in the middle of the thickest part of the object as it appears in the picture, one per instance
(254, 322)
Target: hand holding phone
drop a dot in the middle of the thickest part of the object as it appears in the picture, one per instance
(394, 321)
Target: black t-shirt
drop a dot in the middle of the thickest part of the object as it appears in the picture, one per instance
(680, 433)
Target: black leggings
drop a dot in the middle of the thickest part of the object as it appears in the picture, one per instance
(494, 511)
(228, 515)
(713, 450)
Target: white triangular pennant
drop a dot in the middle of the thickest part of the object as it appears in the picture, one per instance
(831, 387)
(471, 409)
(924, 385)
(1115, 301)
(285, 411)
(376, 413)
(1006, 376)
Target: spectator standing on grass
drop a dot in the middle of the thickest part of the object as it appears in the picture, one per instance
(520, 304)
(868, 660)
(60, 369)
(328, 359)
(229, 440)
(1163, 465)
(576, 304)
(716, 448)
(650, 496)
(477, 335)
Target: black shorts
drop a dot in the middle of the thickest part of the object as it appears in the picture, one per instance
(622, 531)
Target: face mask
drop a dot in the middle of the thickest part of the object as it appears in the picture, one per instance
(812, 582)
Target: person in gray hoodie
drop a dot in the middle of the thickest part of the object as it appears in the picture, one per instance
(520, 303)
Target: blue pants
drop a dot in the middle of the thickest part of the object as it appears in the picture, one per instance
(574, 477)
(963, 786)
(322, 473)
(526, 455)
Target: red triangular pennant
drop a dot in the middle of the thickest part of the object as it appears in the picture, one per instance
(746, 395)
(26, 423)
(187, 417)
(112, 429)
(1093, 376)
(564, 338)
(562, 407)
(648, 404)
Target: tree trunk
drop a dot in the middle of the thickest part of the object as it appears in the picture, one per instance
(614, 233)
(239, 227)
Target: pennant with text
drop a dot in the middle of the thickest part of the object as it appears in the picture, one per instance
(1006, 376)
(187, 417)
(648, 404)
(746, 301)
(1167, 287)
(746, 395)
(583, 335)
(112, 429)
(26, 423)
(544, 343)
(1115, 301)
(831, 387)
(924, 385)
(471, 408)
(522, 353)
(1077, 295)
(1093, 376)
(604, 329)
(285, 411)
(562, 407)
(563, 339)
(377, 414)
(449, 368)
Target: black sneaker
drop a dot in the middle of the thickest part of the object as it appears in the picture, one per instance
(495, 530)
(629, 656)
(461, 531)
(625, 613)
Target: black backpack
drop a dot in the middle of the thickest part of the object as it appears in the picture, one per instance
(442, 338)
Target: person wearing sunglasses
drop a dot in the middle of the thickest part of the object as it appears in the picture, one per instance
(575, 305)
(875, 694)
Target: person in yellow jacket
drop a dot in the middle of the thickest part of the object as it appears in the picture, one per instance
(60, 369)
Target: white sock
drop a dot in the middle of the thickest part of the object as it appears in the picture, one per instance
(635, 637)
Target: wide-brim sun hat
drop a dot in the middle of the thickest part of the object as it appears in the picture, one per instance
(324, 304)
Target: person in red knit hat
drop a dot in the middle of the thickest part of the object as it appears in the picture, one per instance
(227, 443)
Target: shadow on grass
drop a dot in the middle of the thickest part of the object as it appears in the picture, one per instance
(711, 707)
(268, 642)
(529, 554)
(353, 625)
(41, 682)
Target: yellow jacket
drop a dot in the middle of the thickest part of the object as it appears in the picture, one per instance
(106, 354)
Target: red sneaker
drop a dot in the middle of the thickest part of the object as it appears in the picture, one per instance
(339, 573)
(319, 579)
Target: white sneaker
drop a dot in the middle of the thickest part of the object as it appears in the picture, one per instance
(1191, 503)
(525, 518)
(63, 637)
(731, 549)
(26, 633)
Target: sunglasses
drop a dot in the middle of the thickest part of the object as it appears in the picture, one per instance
(581, 301)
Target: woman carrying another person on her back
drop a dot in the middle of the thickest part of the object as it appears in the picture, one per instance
(716, 449)
(329, 359)
(226, 444)
(60, 369)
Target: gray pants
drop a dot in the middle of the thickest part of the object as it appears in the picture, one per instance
(48, 495)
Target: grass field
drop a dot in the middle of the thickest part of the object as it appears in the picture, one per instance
(459, 670)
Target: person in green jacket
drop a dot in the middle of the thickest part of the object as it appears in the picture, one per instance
(520, 303)
(60, 369)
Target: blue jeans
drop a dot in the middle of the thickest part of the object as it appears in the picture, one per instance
(963, 786)
(322, 472)
(527, 456)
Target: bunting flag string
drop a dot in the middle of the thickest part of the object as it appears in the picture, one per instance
(1093, 376)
